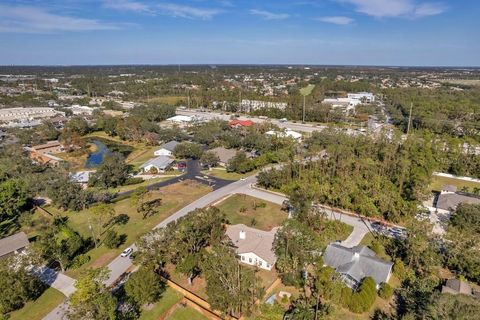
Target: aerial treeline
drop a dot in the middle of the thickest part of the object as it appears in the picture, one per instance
(377, 178)
(440, 110)
(140, 125)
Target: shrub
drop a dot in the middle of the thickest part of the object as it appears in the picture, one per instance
(112, 239)
(363, 299)
(385, 291)
(79, 260)
(131, 181)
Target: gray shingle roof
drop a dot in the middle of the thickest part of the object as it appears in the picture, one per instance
(13, 243)
(170, 146)
(450, 201)
(224, 154)
(160, 162)
(455, 286)
(357, 262)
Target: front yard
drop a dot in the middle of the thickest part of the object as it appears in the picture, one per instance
(252, 212)
(222, 173)
(174, 197)
(36, 310)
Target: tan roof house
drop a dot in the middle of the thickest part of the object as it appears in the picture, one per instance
(224, 155)
(253, 246)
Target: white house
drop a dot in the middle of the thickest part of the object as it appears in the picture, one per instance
(181, 119)
(287, 133)
(166, 149)
(253, 246)
(160, 163)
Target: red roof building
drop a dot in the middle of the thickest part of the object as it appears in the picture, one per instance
(240, 123)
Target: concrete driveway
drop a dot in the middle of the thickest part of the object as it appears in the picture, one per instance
(55, 279)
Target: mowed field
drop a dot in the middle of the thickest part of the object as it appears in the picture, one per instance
(252, 212)
(438, 182)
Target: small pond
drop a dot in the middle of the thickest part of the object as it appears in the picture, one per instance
(104, 148)
(96, 158)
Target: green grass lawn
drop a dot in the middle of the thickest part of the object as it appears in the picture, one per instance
(145, 183)
(268, 216)
(223, 174)
(182, 313)
(439, 182)
(167, 300)
(39, 308)
(307, 90)
(174, 197)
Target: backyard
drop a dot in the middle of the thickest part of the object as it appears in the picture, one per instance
(252, 212)
(438, 182)
(168, 299)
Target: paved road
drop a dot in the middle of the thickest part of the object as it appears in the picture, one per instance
(302, 127)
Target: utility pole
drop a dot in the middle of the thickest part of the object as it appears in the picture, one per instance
(409, 118)
(303, 118)
(91, 230)
(240, 101)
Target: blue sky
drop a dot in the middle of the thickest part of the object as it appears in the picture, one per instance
(353, 32)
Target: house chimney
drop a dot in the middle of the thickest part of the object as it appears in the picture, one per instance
(242, 235)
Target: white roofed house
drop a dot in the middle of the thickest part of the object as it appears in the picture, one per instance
(166, 149)
(160, 164)
(181, 119)
(253, 246)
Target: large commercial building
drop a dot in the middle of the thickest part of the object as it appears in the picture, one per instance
(24, 114)
(252, 105)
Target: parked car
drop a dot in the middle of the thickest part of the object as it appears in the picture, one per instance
(126, 252)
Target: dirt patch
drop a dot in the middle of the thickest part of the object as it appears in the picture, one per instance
(103, 260)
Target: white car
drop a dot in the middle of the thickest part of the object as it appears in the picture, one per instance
(126, 252)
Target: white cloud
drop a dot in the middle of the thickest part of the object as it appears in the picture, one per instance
(26, 19)
(127, 5)
(336, 20)
(429, 9)
(396, 8)
(183, 11)
(267, 15)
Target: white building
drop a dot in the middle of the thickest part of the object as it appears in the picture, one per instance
(181, 119)
(166, 149)
(252, 105)
(253, 246)
(366, 97)
(24, 114)
(288, 133)
(81, 110)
